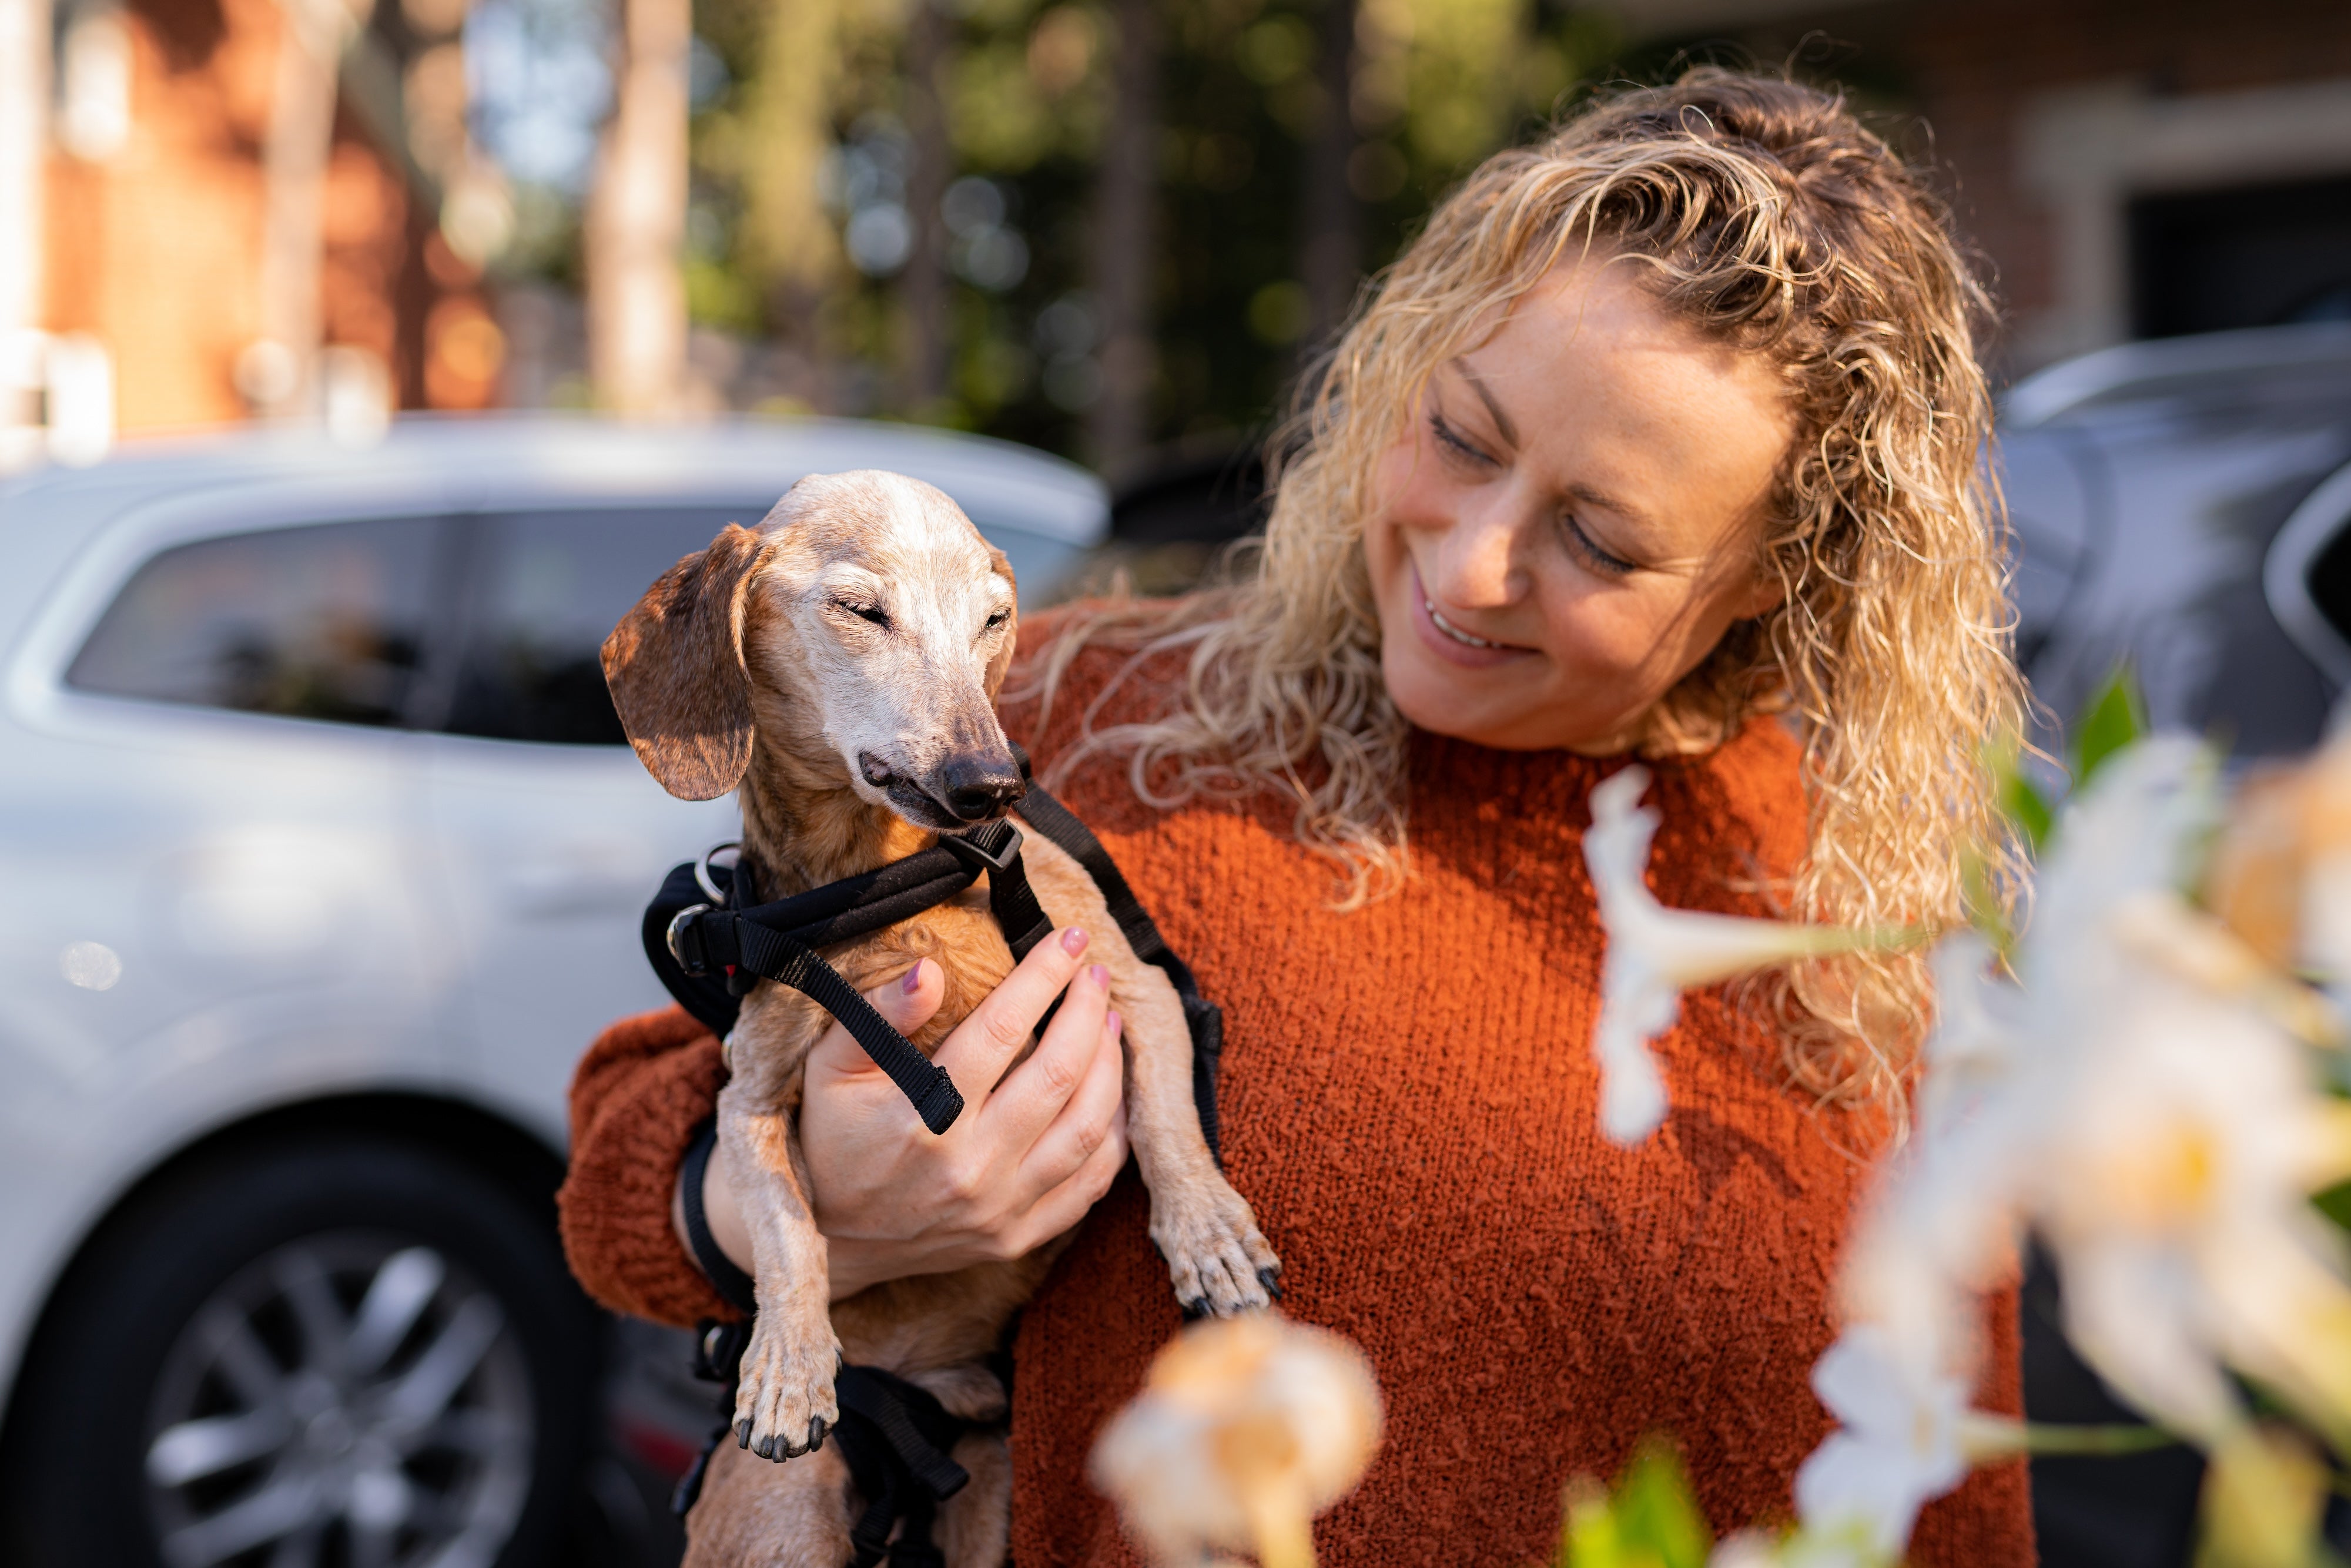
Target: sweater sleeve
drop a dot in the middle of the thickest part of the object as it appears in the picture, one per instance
(636, 1099)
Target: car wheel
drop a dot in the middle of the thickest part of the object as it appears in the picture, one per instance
(358, 1354)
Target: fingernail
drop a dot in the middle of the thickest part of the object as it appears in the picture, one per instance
(1099, 976)
(1073, 940)
(914, 980)
(1111, 1021)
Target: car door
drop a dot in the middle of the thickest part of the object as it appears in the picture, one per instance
(549, 837)
(211, 865)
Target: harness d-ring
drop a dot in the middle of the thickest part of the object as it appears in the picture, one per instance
(702, 869)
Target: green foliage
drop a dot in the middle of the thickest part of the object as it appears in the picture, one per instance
(2026, 806)
(1650, 1520)
(2116, 717)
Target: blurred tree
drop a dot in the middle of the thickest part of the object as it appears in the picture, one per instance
(1101, 227)
(1125, 251)
(923, 283)
(786, 134)
(1329, 258)
(280, 372)
(635, 229)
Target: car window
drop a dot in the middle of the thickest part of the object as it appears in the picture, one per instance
(327, 622)
(548, 588)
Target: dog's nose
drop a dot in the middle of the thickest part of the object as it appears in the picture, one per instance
(978, 787)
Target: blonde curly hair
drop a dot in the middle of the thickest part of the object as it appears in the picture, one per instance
(1764, 213)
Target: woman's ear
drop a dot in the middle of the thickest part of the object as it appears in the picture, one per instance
(1000, 664)
(674, 665)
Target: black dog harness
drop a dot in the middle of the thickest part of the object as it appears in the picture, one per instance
(710, 944)
(709, 949)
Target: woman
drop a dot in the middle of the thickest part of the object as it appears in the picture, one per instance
(1661, 441)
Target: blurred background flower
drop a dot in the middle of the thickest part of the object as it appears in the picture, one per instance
(1246, 1429)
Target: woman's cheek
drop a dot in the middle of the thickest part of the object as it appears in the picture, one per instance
(1615, 648)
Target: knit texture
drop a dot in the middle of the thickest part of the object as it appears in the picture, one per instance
(636, 1099)
(1410, 1104)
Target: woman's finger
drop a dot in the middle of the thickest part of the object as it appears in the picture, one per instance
(984, 1044)
(906, 1003)
(1033, 1094)
(1085, 1120)
(1061, 1209)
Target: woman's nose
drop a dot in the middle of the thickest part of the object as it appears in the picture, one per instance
(1477, 562)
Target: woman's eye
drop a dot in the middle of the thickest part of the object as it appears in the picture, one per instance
(1588, 550)
(1450, 439)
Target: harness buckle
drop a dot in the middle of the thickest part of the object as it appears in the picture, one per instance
(708, 884)
(973, 848)
(684, 933)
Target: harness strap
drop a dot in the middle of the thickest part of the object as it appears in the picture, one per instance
(789, 962)
(895, 1437)
(995, 848)
(1206, 1020)
(732, 1285)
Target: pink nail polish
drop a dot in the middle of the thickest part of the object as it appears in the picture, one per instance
(1073, 940)
(1099, 976)
(914, 980)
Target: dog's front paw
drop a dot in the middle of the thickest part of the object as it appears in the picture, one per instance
(784, 1402)
(1218, 1259)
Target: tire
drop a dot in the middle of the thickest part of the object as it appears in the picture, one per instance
(354, 1353)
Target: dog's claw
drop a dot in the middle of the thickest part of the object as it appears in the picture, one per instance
(1271, 1279)
(1195, 1309)
(816, 1434)
(742, 1434)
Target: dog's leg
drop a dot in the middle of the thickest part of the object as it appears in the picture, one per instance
(784, 1400)
(974, 1526)
(1216, 1257)
(753, 1514)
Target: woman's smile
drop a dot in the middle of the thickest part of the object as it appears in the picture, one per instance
(1577, 502)
(1449, 640)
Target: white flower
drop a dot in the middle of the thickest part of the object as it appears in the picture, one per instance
(2175, 1203)
(1900, 1444)
(2143, 1100)
(1245, 1431)
(1655, 954)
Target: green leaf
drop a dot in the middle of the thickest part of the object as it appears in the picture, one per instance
(1590, 1539)
(2116, 717)
(1657, 1512)
(2027, 808)
(1651, 1520)
(2336, 1204)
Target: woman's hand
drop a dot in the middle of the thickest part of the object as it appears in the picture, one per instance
(1024, 1162)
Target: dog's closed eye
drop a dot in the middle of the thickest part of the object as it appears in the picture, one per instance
(865, 610)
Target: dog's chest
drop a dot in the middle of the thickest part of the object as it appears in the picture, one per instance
(767, 1051)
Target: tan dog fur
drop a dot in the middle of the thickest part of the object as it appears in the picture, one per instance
(758, 665)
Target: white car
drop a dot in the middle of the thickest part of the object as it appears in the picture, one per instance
(321, 861)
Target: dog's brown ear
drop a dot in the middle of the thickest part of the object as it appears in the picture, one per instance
(1002, 663)
(675, 664)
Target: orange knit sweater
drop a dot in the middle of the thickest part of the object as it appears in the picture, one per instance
(1409, 1103)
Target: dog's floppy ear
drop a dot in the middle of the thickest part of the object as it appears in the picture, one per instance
(675, 664)
(998, 666)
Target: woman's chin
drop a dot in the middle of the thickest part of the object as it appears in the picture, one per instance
(1489, 707)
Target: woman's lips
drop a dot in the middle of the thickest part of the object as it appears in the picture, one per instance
(1479, 655)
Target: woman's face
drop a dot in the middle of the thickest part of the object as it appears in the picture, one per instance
(1573, 519)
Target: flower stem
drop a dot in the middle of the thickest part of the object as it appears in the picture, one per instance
(1996, 1438)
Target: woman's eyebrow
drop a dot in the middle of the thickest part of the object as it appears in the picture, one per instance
(1606, 502)
(1510, 431)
